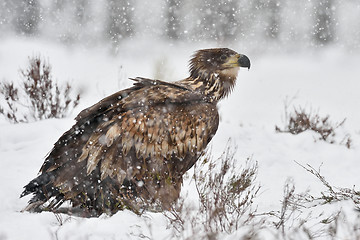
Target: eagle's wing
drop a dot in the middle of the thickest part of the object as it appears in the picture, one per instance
(151, 130)
(117, 99)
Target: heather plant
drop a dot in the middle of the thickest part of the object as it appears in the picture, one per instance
(38, 95)
(226, 193)
(300, 120)
(225, 207)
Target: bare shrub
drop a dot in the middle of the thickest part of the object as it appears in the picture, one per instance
(304, 216)
(223, 210)
(39, 95)
(226, 193)
(11, 96)
(290, 222)
(301, 120)
(287, 203)
(340, 227)
(332, 193)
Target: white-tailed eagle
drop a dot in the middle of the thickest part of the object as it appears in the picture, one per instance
(131, 149)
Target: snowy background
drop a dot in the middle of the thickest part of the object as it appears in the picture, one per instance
(303, 53)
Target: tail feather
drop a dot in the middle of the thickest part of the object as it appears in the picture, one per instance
(42, 190)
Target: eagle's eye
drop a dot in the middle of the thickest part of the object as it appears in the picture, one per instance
(223, 57)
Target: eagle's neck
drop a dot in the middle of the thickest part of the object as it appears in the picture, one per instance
(214, 86)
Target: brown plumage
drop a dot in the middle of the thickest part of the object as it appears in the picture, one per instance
(131, 149)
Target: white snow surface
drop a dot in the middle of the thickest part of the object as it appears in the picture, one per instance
(326, 81)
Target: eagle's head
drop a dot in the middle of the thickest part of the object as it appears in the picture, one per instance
(214, 71)
(217, 60)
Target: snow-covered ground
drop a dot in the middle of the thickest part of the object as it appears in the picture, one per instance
(326, 81)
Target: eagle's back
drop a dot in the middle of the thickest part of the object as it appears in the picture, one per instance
(130, 150)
